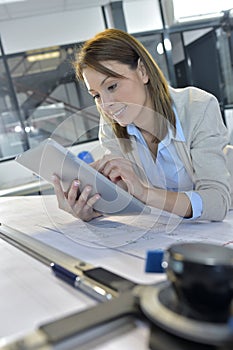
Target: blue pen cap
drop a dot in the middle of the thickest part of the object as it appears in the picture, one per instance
(86, 157)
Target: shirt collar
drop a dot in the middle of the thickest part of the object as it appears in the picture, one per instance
(179, 136)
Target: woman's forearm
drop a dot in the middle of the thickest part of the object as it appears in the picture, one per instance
(173, 202)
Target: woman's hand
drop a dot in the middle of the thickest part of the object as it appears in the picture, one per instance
(78, 204)
(120, 171)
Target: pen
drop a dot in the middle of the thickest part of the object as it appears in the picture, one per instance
(81, 282)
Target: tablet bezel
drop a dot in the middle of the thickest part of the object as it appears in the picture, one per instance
(50, 157)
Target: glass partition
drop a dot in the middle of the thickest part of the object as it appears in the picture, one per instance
(38, 93)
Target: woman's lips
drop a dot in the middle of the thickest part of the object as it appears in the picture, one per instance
(117, 114)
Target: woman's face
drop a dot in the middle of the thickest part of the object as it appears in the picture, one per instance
(122, 99)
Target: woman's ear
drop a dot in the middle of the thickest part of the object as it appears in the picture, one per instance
(142, 71)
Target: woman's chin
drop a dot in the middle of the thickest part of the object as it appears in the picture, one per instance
(123, 124)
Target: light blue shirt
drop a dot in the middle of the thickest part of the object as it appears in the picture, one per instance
(167, 171)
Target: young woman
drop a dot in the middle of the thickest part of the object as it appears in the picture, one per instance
(165, 145)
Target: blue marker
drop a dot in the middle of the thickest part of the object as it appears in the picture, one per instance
(81, 282)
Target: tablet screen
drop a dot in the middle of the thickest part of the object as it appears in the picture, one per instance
(49, 158)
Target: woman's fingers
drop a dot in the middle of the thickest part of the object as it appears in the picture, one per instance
(58, 188)
(114, 175)
(85, 201)
(100, 164)
(87, 204)
(78, 204)
(83, 207)
(84, 196)
(72, 194)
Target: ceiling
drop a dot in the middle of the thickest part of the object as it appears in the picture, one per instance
(13, 9)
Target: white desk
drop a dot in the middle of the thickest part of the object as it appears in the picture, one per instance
(31, 295)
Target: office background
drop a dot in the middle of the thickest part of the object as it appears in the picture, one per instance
(193, 45)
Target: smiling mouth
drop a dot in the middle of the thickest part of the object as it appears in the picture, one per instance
(116, 114)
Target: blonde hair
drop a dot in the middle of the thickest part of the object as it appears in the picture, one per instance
(117, 45)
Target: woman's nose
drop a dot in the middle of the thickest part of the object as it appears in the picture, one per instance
(106, 103)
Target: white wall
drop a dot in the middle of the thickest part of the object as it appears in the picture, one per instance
(49, 30)
(62, 28)
(184, 8)
(142, 16)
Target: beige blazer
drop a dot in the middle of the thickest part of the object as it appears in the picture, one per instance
(202, 152)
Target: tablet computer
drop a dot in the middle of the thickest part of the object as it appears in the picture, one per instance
(49, 158)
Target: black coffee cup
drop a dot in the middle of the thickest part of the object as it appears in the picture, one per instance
(202, 277)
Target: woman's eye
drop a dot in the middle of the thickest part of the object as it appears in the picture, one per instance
(112, 87)
(95, 97)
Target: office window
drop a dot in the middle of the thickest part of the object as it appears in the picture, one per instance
(39, 92)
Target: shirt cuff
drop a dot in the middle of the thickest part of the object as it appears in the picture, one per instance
(196, 203)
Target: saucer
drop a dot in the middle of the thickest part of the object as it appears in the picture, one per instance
(160, 305)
